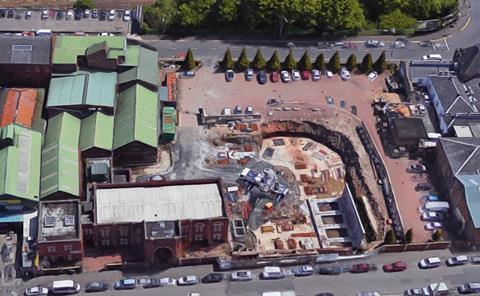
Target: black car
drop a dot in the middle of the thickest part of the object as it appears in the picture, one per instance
(78, 15)
(3, 13)
(149, 283)
(102, 15)
(93, 287)
(60, 15)
(423, 187)
(10, 14)
(353, 109)
(94, 13)
(330, 270)
(212, 278)
(262, 77)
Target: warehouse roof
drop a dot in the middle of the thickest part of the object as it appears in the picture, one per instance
(463, 155)
(136, 117)
(60, 161)
(68, 48)
(83, 88)
(471, 184)
(174, 202)
(20, 162)
(25, 50)
(146, 70)
(18, 107)
(96, 131)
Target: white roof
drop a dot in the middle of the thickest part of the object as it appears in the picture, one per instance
(174, 202)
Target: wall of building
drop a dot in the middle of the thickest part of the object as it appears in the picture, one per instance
(210, 230)
(135, 153)
(436, 104)
(15, 75)
(61, 252)
(98, 60)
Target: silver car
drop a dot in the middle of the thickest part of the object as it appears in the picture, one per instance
(241, 276)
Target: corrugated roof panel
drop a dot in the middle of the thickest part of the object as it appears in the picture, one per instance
(66, 90)
(26, 107)
(97, 131)
(131, 55)
(10, 108)
(67, 48)
(102, 89)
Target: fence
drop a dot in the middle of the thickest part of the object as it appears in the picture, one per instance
(414, 247)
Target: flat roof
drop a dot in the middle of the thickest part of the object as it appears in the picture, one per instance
(58, 220)
(68, 48)
(166, 203)
(25, 50)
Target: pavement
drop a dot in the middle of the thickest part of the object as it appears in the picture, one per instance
(343, 285)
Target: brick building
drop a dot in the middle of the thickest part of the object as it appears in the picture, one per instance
(162, 218)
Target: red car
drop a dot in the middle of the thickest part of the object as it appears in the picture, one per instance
(395, 266)
(274, 76)
(305, 75)
(361, 268)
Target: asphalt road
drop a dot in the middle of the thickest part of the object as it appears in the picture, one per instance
(343, 285)
(210, 51)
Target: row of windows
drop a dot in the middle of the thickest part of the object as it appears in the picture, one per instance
(53, 249)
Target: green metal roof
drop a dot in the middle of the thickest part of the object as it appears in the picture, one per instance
(131, 55)
(83, 88)
(471, 184)
(20, 163)
(96, 47)
(60, 159)
(97, 131)
(168, 120)
(136, 117)
(67, 48)
(147, 69)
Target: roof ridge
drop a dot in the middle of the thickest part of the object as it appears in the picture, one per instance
(466, 161)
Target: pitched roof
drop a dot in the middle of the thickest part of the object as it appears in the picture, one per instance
(471, 184)
(146, 70)
(468, 60)
(20, 162)
(169, 118)
(452, 95)
(136, 117)
(68, 48)
(96, 131)
(25, 50)
(83, 88)
(60, 160)
(463, 155)
(96, 47)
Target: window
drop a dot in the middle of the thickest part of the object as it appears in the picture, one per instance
(88, 231)
(52, 258)
(105, 232)
(199, 227)
(198, 237)
(67, 248)
(217, 227)
(106, 242)
(217, 236)
(123, 241)
(51, 249)
(123, 231)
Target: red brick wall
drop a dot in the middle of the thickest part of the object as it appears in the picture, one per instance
(118, 235)
(57, 252)
(211, 230)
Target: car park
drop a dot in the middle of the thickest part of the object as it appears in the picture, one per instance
(433, 226)
(295, 75)
(272, 273)
(423, 187)
(285, 76)
(345, 74)
(187, 280)
(249, 75)
(65, 287)
(111, 15)
(165, 282)
(94, 287)
(241, 276)
(469, 288)
(305, 270)
(431, 216)
(395, 266)
(305, 75)
(229, 75)
(431, 262)
(417, 168)
(330, 270)
(316, 75)
(125, 284)
(126, 15)
(36, 291)
(372, 75)
(212, 278)
(261, 77)
(274, 76)
(458, 260)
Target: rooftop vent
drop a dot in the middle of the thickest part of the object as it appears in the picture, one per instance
(49, 221)
(69, 220)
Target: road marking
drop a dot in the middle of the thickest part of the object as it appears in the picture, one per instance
(433, 44)
(466, 24)
(194, 48)
(446, 43)
(173, 48)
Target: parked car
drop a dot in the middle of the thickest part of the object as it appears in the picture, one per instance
(94, 287)
(285, 76)
(305, 75)
(469, 288)
(149, 283)
(353, 109)
(125, 284)
(343, 104)
(330, 270)
(431, 262)
(368, 293)
(69, 14)
(372, 75)
(316, 75)
(237, 110)
(374, 43)
(102, 15)
(187, 280)
(432, 216)
(165, 282)
(78, 15)
(28, 14)
(329, 100)
(413, 292)
(416, 168)
(111, 15)
(433, 226)
(274, 76)
(329, 74)
(86, 13)
(432, 57)
(95, 13)
(458, 260)
(345, 74)
(126, 15)
(324, 294)
(44, 15)
(212, 278)
(305, 270)
(361, 268)
(295, 75)
(64, 287)
(431, 197)
(241, 276)
(475, 259)
(60, 15)
(229, 75)
(261, 77)
(421, 109)
(249, 110)
(272, 273)
(423, 187)
(36, 291)
(249, 74)
(436, 289)
(395, 266)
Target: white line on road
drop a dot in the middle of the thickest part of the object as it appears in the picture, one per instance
(446, 43)
(173, 48)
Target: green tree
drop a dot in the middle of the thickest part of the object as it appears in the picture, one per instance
(341, 15)
(83, 4)
(193, 14)
(320, 62)
(409, 236)
(227, 11)
(334, 63)
(375, 8)
(259, 61)
(305, 63)
(437, 235)
(227, 62)
(397, 20)
(273, 63)
(161, 14)
(289, 63)
(367, 63)
(430, 9)
(242, 62)
(351, 62)
(189, 62)
(381, 63)
(390, 238)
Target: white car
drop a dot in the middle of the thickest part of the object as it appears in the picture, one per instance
(430, 262)
(329, 74)
(272, 272)
(69, 14)
(345, 74)
(433, 226)
(36, 291)
(458, 260)
(44, 15)
(296, 75)
(241, 276)
(316, 75)
(285, 76)
(111, 15)
(187, 280)
(126, 16)
(164, 282)
(372, 75)
(432, 216)
(421, 109)
(86, 13)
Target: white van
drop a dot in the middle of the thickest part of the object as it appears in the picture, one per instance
(436, 206)
(432, 57)
(272, 272)
(437, 289)
(65, 287)
(44, 32)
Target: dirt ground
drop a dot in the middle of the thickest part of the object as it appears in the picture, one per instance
(210, 91)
